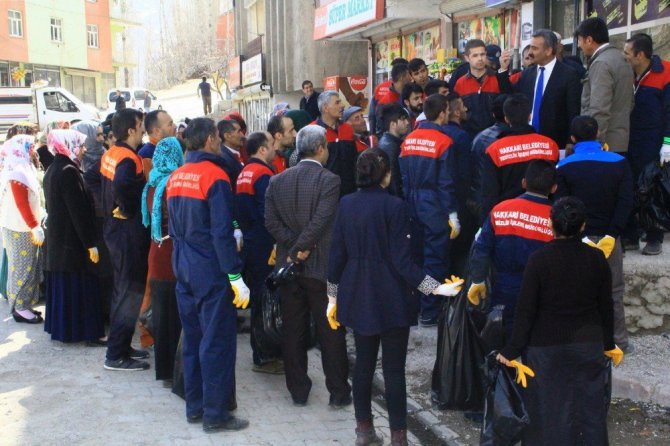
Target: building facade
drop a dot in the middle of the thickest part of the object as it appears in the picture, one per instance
(65, 43)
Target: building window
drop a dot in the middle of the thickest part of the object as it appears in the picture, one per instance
(92, 31)
(56, 30)
(15, 23)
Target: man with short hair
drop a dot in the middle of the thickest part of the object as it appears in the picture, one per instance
(481, 85)
(205, 92)
(400, 77)
(158, 125)
(353, 116)
(310, 101)
(412, 100)
(258, 243)
(300, 207)
(434, 86)
(396, 126)
(607, 92)
(341, 140)
(282, 130)
(209, 282)
(121, 181)
(649, 124)
(232, 138)
(514, 230)
(552, 87)
(603, 182)
(120, 101)
(380, 91)
(463, 173)
(419, 72)
(426, 168)
(506, 160)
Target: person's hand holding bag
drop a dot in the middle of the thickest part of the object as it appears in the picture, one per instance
(450, 287)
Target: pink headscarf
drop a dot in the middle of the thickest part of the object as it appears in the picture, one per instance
(65, 142)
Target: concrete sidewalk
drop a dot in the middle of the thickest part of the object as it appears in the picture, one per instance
(57, 394)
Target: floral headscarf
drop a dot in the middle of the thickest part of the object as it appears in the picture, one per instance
(167, 158)
(66, 142)
(57, 125)
(15, 162)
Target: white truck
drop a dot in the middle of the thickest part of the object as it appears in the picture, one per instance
(42, 105)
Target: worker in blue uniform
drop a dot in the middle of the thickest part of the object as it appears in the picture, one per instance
(209, 283)
(427, 171)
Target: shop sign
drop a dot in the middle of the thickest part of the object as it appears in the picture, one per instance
(343, 15)
(650, 10)
(252, 70)
(234, 72)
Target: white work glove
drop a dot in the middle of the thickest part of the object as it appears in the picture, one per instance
(331, 313)
(37, 235)
(240, 291)
(665, 151)
(449, 287)
(237, 233)
(455, 225)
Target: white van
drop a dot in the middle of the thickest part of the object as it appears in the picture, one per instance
(42, 105)
(134, 99)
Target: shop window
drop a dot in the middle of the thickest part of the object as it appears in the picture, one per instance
(563, 17)
(15, 23)
(55, 101)
(660, 35)
(56, 30)
(92, 31)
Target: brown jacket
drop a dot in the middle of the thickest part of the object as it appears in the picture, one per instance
(300, 208)
(608, 96)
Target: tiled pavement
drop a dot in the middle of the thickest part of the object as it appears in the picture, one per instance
(57, 394)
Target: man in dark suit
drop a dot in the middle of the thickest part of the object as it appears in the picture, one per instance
(309, 102)
(300, 207)
(557, 100)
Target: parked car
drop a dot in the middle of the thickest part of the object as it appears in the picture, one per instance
(41, 104)
(134, 99)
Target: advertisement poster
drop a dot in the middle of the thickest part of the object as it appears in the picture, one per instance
(468, 30)
(526, 24)
(491, 32)
(351, 89)
(385, 52)
(512, 28)
(613, 12)
(644, 10)
(423, 44)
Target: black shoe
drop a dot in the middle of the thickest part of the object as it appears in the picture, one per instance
(36, 313)
(35, 320)
(231, 424)
(652, 248)
(126, 365)
(168, 383)
(97, 343)
(631, 245)
(137, 354)
(339, 401)
(299, 403)
(193, 419)
(428, 322)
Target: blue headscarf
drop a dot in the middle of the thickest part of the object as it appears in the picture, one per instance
(167, 158)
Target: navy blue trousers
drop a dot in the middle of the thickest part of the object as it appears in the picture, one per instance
(209, 328)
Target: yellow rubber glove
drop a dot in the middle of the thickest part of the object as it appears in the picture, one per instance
(331, 313)
(456, 281)
(454, 225)
(616, 355)
(476, 293)
(116, 213)
(521, 372)
(272, 260)
(93, 254)
(588, 241)
(240, 291)
(606, 245)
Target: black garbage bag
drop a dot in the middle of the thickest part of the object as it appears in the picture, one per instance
(505, 416)
(178, 373)
(653, 196)
(493, 333)
(457, 376)
(272, 321)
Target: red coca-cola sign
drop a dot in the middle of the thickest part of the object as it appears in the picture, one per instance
(358, 83)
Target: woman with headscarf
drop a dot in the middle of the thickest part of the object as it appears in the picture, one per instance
(94, 139)
(22, 234)
(73, 307)
(300, 119)
(168, 156)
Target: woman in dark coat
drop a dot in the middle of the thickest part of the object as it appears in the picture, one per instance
(167, 158)
(73, 306)
(370, 279)
(564, 328)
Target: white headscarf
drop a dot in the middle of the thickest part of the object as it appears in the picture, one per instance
(16, 164)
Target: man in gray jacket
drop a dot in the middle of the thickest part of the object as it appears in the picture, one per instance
(608, 87)
(300, 207)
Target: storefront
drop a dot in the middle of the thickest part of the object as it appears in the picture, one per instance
(254, 98)
(16, 74)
